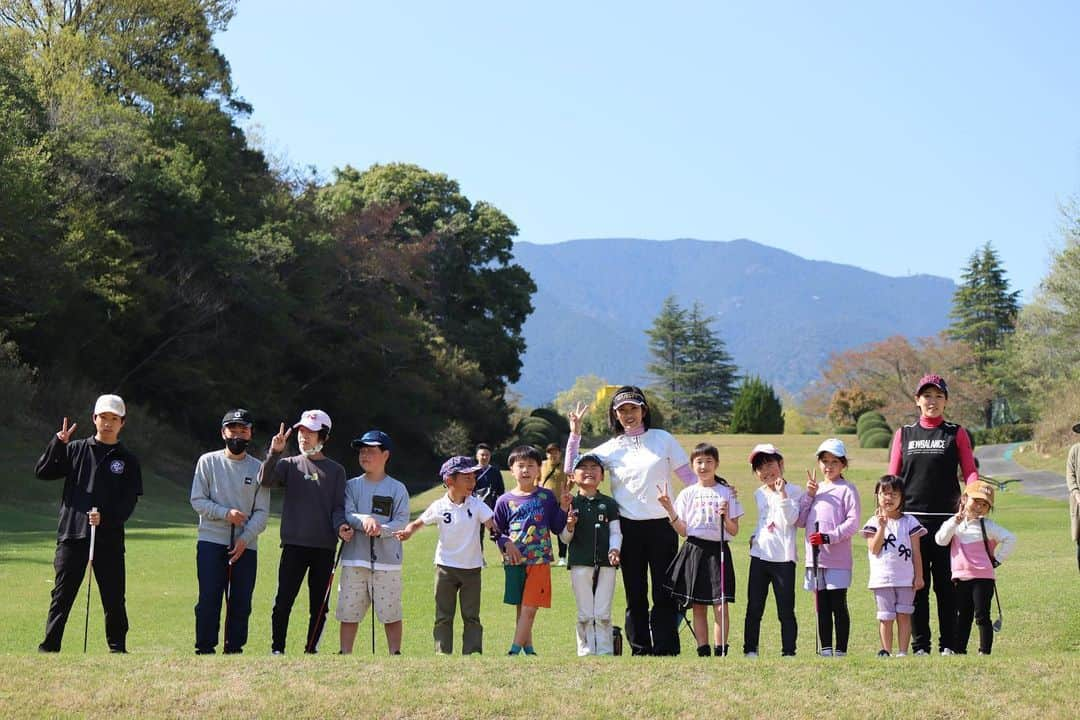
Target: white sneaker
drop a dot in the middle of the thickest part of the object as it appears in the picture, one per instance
(562, 562)
(750, 654)
(901, 654)
(825, 652)
(947, 651)
(921, 652)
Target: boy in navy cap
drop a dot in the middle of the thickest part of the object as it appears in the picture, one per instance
(458, 555)
(376, 506)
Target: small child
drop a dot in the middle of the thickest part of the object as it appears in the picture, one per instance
(702, 573)
(593, 539)
(830, 513)
(459, 556)
(524, 518)
(893, 549)
(772, 551)
(376, 506)
(976, 546)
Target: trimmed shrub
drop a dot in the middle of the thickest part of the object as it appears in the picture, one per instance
(876, 438)
(870, 419)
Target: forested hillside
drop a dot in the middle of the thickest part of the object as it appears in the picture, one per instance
(148, 248)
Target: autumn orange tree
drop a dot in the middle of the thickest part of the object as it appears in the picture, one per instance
(884, 374)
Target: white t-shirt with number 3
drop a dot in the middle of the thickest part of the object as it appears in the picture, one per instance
(459, 531)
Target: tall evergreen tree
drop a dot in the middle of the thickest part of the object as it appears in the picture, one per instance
(708, 376)
(984, 316)
(695, 375)
(667, 342)
(757, 409)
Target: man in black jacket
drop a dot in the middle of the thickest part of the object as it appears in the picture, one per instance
(99, 473)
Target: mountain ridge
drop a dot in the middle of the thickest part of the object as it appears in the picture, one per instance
(780, 315)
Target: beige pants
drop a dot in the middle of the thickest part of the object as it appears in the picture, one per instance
(593, 610)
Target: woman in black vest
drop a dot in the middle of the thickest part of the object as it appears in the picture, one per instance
(928, 454)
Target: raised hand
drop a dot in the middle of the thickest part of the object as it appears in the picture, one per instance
(811, 483)
(277, 443)
(66, 432)
(663, 498)
(778, 484)
(575, 417)
(571, 520)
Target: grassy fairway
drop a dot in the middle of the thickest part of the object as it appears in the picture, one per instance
(1031, 674)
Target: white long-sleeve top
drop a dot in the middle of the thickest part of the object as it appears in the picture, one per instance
(774, 538)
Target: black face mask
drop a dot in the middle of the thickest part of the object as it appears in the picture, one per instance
(237, 446)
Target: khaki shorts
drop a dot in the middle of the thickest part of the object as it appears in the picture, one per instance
(356, 590)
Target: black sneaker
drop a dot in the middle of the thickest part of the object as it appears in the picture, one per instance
(883, 653)
(209, 651)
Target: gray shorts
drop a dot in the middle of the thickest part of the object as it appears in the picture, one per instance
(893, 601)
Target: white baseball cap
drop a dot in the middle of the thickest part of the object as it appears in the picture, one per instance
(110, 403)
(313, 420)
(766, 449)
(833, 446)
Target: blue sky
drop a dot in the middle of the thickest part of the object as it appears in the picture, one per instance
(898, 137)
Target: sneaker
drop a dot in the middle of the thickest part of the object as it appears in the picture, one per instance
(901, 654)
(204, 652)
(277, 652)
(751, 654)
(883, 653)
(839, 653)
(825, 652)
(562, 562)
(920, 651)
(947, 651)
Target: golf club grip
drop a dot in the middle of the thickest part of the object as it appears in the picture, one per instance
(93, 538)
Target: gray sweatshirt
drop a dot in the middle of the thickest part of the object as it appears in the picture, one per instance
(363, 499)
(221, 484)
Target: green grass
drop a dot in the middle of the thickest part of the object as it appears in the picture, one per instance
(1031, 674)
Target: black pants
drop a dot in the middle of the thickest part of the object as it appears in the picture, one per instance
(70, 566)
(832, 608)
(297, 560)
(212, 566)
(648, 547)
(973, 601)
(781, 575)
(937, 571)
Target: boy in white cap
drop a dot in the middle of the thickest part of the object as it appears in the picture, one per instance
(459, 558)
(102, 483)
(312, 520)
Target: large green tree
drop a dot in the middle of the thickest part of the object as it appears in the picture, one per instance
(984, 316)
(473, 292)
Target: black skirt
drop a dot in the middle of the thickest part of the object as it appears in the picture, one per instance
(695, 576)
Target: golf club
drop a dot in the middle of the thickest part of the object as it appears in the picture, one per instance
(595, 579)
(89, 580)
(228, 584)
(723, 593)
(997, 623)
(371, 592)
(994, 563)
(814, 550)
(320, 619)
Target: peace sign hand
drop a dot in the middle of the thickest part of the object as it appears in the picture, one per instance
(66, 432)
(277, 443)
(575, 417)
(663, 498)
(811, 483)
